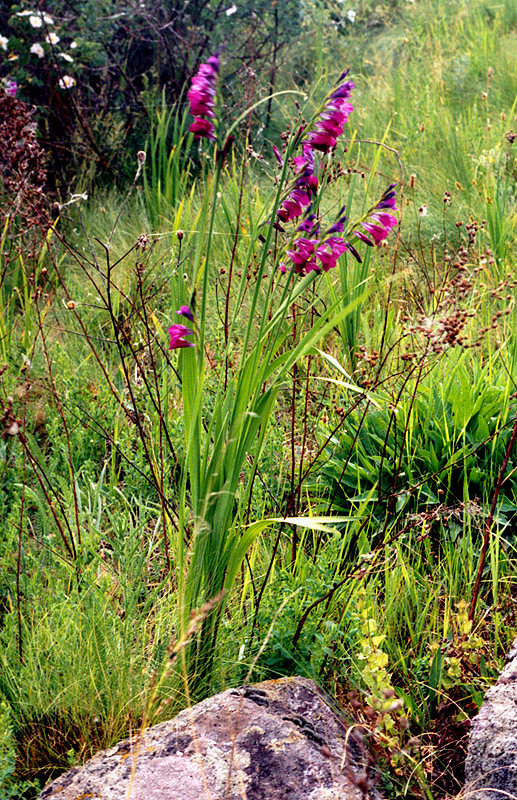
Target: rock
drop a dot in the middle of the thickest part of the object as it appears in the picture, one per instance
(277, 740)
(491, 765)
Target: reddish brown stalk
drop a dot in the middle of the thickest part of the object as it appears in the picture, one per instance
(292, 501)
(161, 428)
(63, 420)
(18, 565)
(230, 272)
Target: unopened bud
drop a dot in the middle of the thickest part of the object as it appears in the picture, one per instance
(412, 181)
(140, 157)
(179, 234)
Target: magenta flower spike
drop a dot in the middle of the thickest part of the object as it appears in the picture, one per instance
(176, 333)
(330, 124)
(379, 222)
(300, 197)
(202, 96)
(184, 311)
(302, 256)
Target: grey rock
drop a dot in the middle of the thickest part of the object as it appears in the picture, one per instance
(491, 765)
(277, 740)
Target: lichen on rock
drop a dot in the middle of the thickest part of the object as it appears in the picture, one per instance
(278, 740)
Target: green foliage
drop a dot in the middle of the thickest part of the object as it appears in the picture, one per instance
(158, 537)
(441, 444)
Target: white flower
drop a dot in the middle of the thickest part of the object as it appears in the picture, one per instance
(66, 57)
(12, 57)
(3, 42)
(423, 210)
(36, 15)
(52, 38)
(66, 82)
(37, 49)
(351, 15)
(231, 10)
(73, 45)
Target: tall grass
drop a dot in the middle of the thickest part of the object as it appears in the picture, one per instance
(162, 530)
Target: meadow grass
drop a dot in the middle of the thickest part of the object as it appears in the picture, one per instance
(118, 608)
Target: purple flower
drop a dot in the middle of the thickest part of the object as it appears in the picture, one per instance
(306, 254)
(379, 223)
(329, 251)
(306, 185)
(11, 87)
(389, 198)
(202, 96)
(278, 155)
(330, 124)
(305, 162)
(302, 256)
(339, 224)
(309, 225)
(203, 128)
(184, 311)
(176, 333)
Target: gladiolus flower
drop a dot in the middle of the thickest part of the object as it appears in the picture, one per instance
(184, 311)
(311, 255)
(379, 223)
(202, 96)
(277, 153)
(389, 198)
(330, 124)
(176, 333)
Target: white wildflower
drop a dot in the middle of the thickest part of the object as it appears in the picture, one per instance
(37, 49)
(351, 15)
(231, 10)
(3, 42)
(24, 13)
(66, 82)
(73, 45)
(35, 21)
(47, 20)
(52, 38)
(66, 57)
